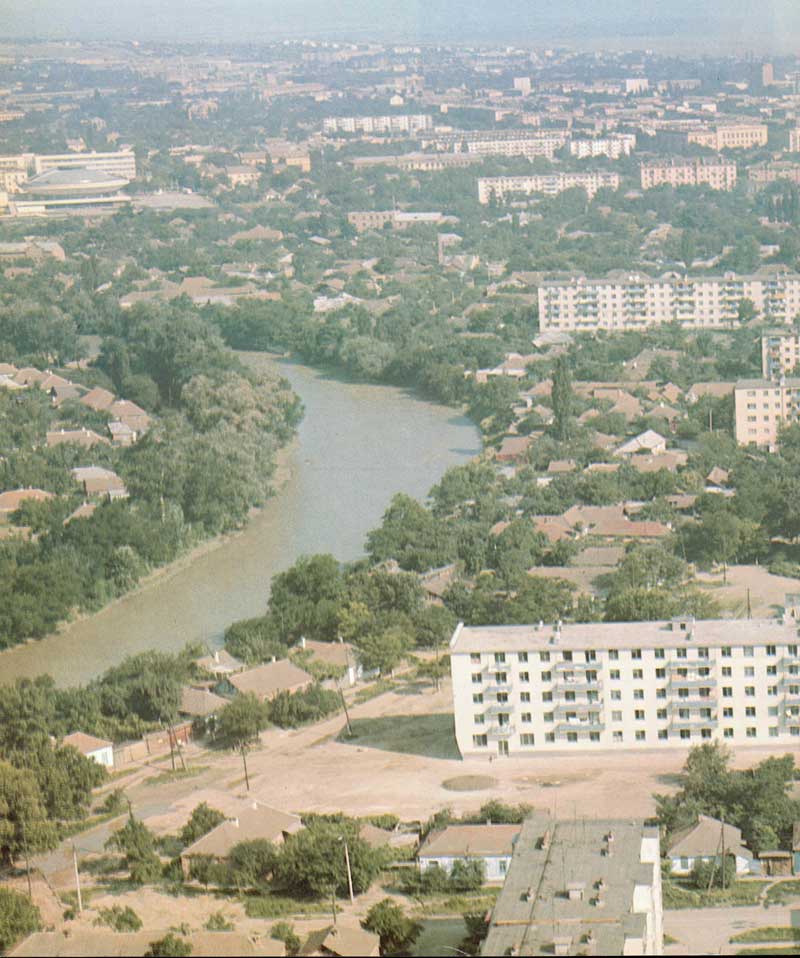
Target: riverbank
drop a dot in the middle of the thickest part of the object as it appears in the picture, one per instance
(357, 446)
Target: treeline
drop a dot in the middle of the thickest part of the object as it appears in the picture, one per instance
(206, 461)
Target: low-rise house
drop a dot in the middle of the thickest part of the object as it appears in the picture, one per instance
(339, 656)
(200, 702)
(775, 863)
(267, 681)
(705, 841)
(12, 500)
(90, 942)
(100, 482)
(717, 390)
(254, 822)
(558, 466)
(121, 433)
(554, 528)
(493, 845)
(98, 399)
(79, 437)
(648, 441)
(671, 461)
(219, 662)
(435, 582)
(133, 416)
(97, 749)
(513, 448)
(345, 939)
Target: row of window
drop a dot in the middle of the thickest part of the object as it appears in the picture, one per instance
(639, 715)
(590, 655)
(640, 735)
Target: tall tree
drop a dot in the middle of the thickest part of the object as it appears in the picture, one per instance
(240, 723)
(562, 398)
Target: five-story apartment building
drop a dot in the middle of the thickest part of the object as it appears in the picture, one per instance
(526, 689)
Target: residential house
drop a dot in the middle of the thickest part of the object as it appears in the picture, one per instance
(513, 448)
(706, 841)
(100, 943)
(435, 582)
(493, 845)
(648, 441)
(775, 863)
(346, 939)
(254, 822)
(79, 437)
(337, 655)
(671, 461)
(97, 481)
(267, 681)
(717, 390)
(97, 749)
(98, 399)
(199, 702)
(219, 662)
(12, 500)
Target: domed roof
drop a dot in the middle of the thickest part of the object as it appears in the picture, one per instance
(78, 178)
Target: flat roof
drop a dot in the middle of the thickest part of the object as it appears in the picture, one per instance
(705, 633)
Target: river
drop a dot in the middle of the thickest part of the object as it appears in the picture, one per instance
(357, 445)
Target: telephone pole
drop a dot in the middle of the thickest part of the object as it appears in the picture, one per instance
(77, 879)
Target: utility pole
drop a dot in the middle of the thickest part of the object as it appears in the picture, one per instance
(749, 608)
(346, 713)
(244, 762)
(77, 879)
(349, 873)
(27, 860)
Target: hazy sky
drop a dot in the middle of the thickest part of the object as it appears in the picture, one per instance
(701, 24)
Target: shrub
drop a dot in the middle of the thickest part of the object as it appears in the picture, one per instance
(218, 922)
(202, 820)
(292, 709)
(283, 931)
(18, 918)
(119, 918)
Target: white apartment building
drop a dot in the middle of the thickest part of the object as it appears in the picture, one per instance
(780, 352)
(730, 136)
(538, 144)
(762, 406)
(377, 219)
(13, 172)
(525, 689)
(763, 173)
(635, 301)
(611, 146)
(548, 183)
(122, 163)
(794, 140)
(717, 173)
(394, 123)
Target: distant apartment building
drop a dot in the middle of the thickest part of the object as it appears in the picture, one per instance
(13, 172)
(794, 140)
(394, 123)
(635, 301)
(550, 184)
(762, 407)
(580, 887)
(377, 219)
(717, 173)
(636, 86)
(545, 144)
(529, 689)
(418, 162)
(730, 136)
(611, 146)
(121, 163)
(764, 173)
(780, 352)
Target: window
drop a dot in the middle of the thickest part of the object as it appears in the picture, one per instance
(661, 693)
(638, 714)
(640, 735)
(702, 653)
(727, 671)
(681, 653)
(548, 716)
(727, 733)
(526, 716)
(572, 736)
(569, 696)
(501, 677)
(638, 673)
(749, 652)
(544, 656)
(566, 656)
(726, 652)
(659, 653)
(522, 657)
(549, 736)
(475, 658)
(684, 713)
(524, 676)
(705, 733)
(661, 715)
(499, 658)
(525, 739)
(478, 718)
(594, 736)
(547, 676)
(749, 671)
(773, 731)
(636, 654)
(480, 741)
(477, 678)
(502, 696)
(749, 691)
(663, 734)
(661, 673)
(727, 692)
(638, 693)
(613, 655)
(727, 712)
(615, 675)
(616, 715)
(616, 736)
(547, 696)
(772, 650)
(616, 695)
(686, 733)
(772, 710)
(592, 696)
(591, 656)
(792, 650)
(772, 670)
(751, 732)
(524, 696)
(750, 711)
(477, 698)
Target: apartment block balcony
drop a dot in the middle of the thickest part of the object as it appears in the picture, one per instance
(577, 684)
(574, 666)
(501, 731)
(561, 728)
(685, 682)
(692, 723)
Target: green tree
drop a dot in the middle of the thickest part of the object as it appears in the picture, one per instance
(202, 820)
(397, 931)
(252, 863)
(19, 917)
(138, 845)
(562, 399)
(383, 650)
(170, 946)
(240, 724)
(24, 825)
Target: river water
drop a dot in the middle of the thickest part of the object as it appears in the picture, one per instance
(357, 445)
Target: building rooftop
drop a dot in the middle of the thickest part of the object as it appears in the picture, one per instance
(463, 841)
(571, 883)
(622, 635)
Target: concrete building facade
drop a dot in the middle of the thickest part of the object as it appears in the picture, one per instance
(762, 407)
(717, 173)
(635, 301)
(122, 163)
(523, 690)
(613, 147)
(780, 352)
(730, 136)
(550, 184)
(394, 123)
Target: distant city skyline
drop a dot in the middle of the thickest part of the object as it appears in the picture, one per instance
(695, 26)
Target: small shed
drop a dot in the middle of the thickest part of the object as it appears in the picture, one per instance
(775, 863)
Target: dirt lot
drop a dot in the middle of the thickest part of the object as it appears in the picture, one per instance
(767, 592)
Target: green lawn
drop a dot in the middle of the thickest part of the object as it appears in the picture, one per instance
(741, 893)
(768, 933)
(429, 735)
(784, 891)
